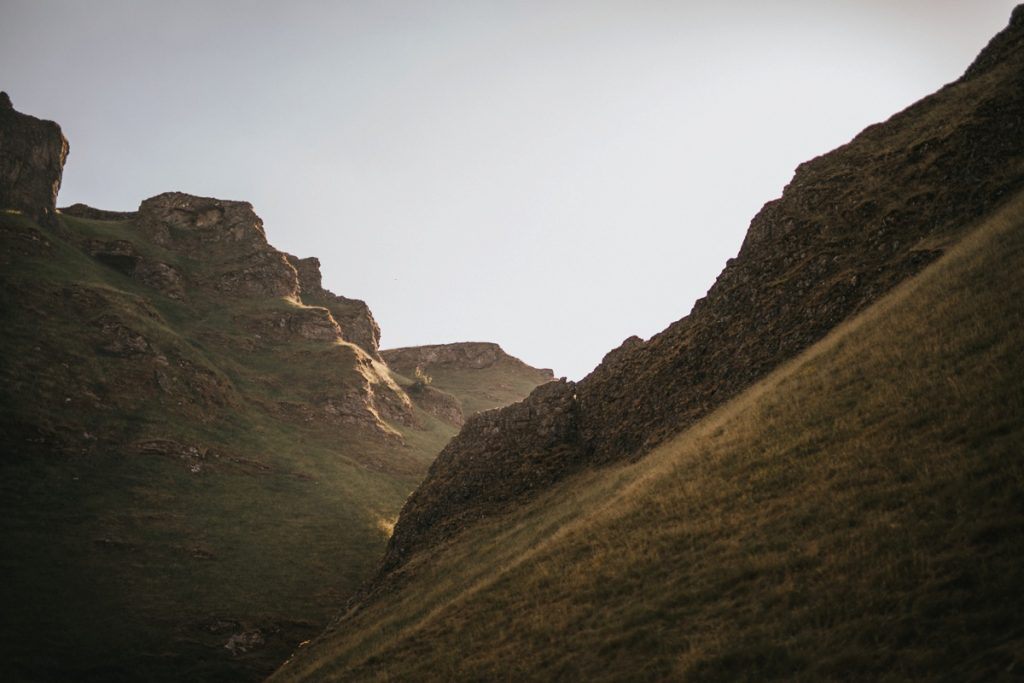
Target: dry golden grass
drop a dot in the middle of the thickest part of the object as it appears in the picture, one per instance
(858, 515)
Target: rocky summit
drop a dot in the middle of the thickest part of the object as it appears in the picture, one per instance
(849, 226)
(32, 155)
(204, 450)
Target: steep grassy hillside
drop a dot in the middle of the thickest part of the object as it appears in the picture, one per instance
(203, 453)
(857, 515)
(850, 226)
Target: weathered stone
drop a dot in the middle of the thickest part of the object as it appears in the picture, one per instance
(465, 355)
(32, 155)
(353, 316)
(227, 236)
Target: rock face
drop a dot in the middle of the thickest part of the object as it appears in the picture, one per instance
(472, 355)
(480, 375)
(32, 155)
(849, 226)
(235, 262)
(354, 316)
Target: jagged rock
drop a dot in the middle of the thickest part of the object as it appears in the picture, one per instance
(476, 355)
(32, 156)
(283, 326)
(228, 236)
(498, 456)
(353, 316)
(849, 226)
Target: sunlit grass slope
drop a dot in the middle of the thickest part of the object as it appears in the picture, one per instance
(858, 515)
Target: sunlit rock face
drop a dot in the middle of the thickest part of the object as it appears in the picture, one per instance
(850, 226)
(32, 155)
(354, 316)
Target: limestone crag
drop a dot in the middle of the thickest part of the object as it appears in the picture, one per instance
(228, 236)
(849, 226)
(32, 155)
(472, 355)
(354, 316)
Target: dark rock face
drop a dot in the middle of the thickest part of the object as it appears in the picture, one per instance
(354, 316)
(230, 238)
(849, 226)
(32, 155)
(478, 466)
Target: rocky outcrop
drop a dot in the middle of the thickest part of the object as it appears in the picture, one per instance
(229, 238)
(499, 455)
(849, 226)
(121, 255)
(32, 155)
(354, 316)
(463, 355)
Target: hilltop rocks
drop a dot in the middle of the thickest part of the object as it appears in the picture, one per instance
(475, 355)
(466, 355)
(228, 236)
(32, 155)
(850, 226)
(122, 256)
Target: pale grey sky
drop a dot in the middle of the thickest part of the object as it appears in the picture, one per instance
(553, 176)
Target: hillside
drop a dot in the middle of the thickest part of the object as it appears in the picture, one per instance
(856, 515)
(479, 374)
(850, 227)
(204, 451)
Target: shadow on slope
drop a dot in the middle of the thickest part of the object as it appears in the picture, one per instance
(856, 515)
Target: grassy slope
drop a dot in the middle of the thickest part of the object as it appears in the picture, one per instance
(503, 383)
(506, 381)
(118, 564)
(858, 515)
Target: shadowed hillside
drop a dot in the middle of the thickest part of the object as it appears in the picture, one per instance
(850, 225)
(857, 515)
(203, 451)
(811, 528)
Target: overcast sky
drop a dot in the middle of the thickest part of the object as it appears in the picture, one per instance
(552, 176)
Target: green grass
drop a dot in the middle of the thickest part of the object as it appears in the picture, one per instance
(477, 389)
(124, 564)
(858, 515)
